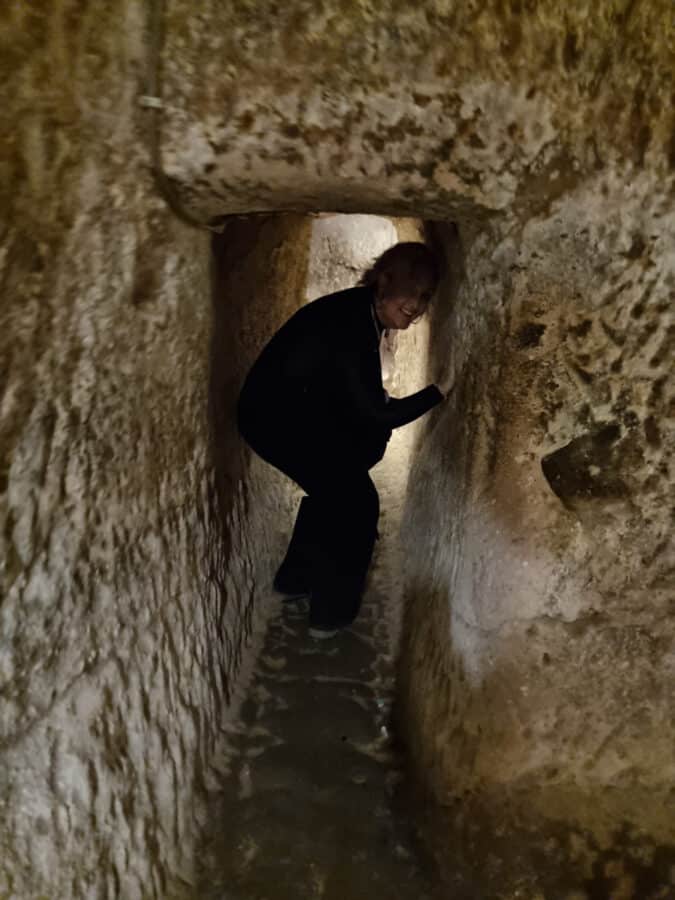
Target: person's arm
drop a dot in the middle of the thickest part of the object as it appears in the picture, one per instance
(368, 399)
(407, 409)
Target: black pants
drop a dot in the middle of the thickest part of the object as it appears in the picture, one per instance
(335, 529)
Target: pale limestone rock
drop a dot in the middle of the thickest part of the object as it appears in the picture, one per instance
(539, 656)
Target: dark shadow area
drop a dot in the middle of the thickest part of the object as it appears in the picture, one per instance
(496, 849)
(246, 308)
(587, 467)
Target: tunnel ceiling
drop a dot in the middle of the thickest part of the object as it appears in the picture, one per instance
(440, 109)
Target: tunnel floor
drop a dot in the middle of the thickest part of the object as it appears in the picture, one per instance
(312, 802)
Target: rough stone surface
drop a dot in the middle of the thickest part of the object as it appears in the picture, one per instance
(124, 611)
(342, 247)
(539, 660)
(539, 646)
(440, 109)
(312, 793)
(540, 651)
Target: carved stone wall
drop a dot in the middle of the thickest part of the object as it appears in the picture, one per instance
(538, 687)
(132, 577)
(538, 663)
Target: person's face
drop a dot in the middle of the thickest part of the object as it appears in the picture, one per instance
(400, 302)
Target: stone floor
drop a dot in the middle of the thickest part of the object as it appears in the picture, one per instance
(310, 806)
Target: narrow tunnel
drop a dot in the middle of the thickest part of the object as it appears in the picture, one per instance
(311, 753)
(175, 184)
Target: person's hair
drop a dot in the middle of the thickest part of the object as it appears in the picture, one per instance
(409, 260)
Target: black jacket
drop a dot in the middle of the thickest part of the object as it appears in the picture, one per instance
(319, 380)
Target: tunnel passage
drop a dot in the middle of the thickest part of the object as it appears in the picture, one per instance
(536, 676)
(310, 771)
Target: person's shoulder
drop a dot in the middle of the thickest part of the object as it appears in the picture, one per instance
(347, 295)
(330, 319)
(322, 316)
(341, 305)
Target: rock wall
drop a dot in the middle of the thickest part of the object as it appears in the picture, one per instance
(129, 570)
(259, 279)
(342, 247)
(538, 664)
(461, 111)
(540, 637)
(541, 644)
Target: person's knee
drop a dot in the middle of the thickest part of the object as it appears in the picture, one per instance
(373, 500)
(353, 498)
(367, 501)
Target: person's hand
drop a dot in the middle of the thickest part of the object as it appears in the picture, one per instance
(446, 385)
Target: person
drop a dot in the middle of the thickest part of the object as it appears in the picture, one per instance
(314, 406)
